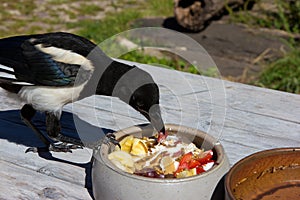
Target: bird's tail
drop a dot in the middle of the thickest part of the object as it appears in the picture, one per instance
(7, 74)
(8, 80)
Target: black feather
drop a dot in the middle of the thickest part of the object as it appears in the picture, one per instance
(44, 69)
(65, 41)
(6, 71)
(11, 87)
(33, 66)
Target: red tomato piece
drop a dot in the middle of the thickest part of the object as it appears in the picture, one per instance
(199, 169)
(205, 157)
(183, 166)
(186, 158)
(194, 163)
(188, 162)
(184, 162)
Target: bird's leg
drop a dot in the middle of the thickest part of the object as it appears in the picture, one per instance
(27, 112)
(54, 131)
(65, 144)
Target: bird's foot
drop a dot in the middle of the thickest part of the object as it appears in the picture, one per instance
(54, 147)
(112, 139)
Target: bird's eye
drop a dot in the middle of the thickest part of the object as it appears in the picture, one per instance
(140, 104)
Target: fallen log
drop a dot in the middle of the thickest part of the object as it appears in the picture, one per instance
(197, 14)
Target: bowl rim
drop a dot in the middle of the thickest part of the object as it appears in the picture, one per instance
(217, 145)
(244, 160)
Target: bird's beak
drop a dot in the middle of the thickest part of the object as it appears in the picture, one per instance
(154, 116)
(156, 119)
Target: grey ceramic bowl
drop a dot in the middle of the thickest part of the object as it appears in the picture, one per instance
(110, 183)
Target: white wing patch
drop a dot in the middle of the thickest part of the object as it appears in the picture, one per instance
(66, 56)
(21, 83)
(6, 68)
(7, 75)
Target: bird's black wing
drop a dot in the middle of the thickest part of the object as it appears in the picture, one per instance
(25, 64)
(43, 69)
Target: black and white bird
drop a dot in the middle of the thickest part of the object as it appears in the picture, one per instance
(48, 71)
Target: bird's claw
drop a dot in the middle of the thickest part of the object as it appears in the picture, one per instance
(36, 149)
(63, 147)
(112, 139)
(56, 147)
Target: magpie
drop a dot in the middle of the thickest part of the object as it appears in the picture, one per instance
(50, 70)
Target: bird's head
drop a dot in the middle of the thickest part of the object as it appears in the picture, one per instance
(145, 100)
(136, 87)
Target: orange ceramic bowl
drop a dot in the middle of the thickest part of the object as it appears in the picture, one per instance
(266, 175)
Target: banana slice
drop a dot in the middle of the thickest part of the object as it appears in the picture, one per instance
(122, 167)
(122, 157)
(187, 173)
(126, 143)
(139, 147)
(167, 164)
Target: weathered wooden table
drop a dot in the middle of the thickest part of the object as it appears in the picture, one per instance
(245, 119)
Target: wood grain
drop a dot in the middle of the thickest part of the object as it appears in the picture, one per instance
(245, 119)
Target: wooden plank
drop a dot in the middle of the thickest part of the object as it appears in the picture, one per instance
(281, 105)
(15, 138)
(68, 167)
(255, 119)
(17, 182)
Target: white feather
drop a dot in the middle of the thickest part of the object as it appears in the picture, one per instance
(66, 56)
(6, 68)
(21, 83)
(44, 98)
(7, 75)
(11, 76)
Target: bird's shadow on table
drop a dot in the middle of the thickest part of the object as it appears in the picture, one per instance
(14, 130)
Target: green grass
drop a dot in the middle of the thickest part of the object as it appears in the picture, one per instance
(159, 8)
(171, 62)
(99, 31)
(166, 62)
(283, 74)
(10, 16)
(89, 9)
(25, 7)
(285, 17)
(117, 22)
(59, 2)
(113, 24)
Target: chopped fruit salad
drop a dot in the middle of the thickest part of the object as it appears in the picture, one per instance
(171, 158)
